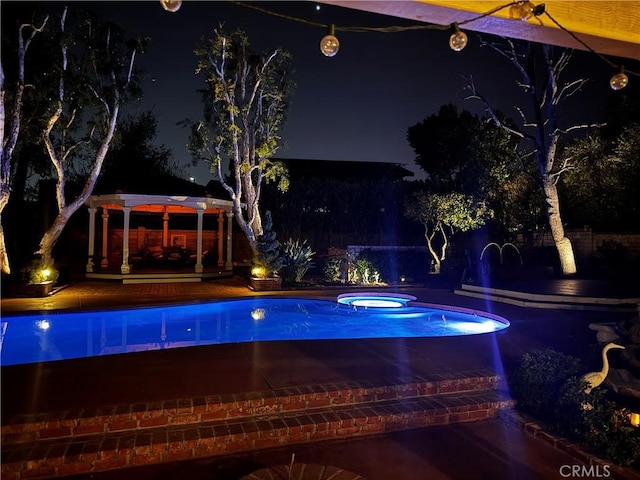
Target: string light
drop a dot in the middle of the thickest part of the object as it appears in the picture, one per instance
(171, 5)
(619, 80)
(522, 9)
(458, 39)
(329, 45)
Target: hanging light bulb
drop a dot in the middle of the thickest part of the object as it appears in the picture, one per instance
(523, 10)
(171, 5)
(458, 39)
(619, 80)
(329, 45)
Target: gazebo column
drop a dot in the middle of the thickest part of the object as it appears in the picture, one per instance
(220, 237)
(199, 268)
(165, 228)
(104, 262)
(92, 238)
(229, 264)
(125, 268)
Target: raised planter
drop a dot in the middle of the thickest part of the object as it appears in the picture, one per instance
(29, 290)
(266, 284)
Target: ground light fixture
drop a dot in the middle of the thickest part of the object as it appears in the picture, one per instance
(458, 39)
(329, 45)
(258, 272)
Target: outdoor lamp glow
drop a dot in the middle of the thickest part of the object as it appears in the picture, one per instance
(45, 273)
(329, 45)
(458, 39)
(258, 272)
(634, 419)
(171, 5)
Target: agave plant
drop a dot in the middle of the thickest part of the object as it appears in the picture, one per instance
(297, 258)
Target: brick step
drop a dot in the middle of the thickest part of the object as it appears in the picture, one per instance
(113, 450)
(121, 418)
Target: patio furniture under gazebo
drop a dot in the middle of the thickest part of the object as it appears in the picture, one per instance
(100, 265)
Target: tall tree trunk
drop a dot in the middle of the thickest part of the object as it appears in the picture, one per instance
(434, 254)
(4, 257)
(562, 243)
(8, 142)
(50, 237)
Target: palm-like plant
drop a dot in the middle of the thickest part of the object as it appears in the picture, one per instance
(297, 258)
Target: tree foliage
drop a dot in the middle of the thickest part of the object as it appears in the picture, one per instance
(442, 215)
(461, 152)
(245, 104)
(601, 190)
(133, 154)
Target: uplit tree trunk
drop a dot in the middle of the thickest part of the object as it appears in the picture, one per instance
(8, 142)
(65, 211)
(437, 260)
(562, 243)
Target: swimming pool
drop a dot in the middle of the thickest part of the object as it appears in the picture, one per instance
(59, 336)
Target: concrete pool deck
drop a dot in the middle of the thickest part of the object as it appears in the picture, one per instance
(490, 448)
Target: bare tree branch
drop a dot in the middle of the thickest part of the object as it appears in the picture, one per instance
(477, 96)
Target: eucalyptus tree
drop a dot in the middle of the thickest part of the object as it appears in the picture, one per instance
(94, 78)
(246, 99)
(11, 109)
(541, 68)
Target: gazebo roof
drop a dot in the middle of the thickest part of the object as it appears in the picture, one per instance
(159, 203)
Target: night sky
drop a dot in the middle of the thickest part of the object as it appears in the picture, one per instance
(354, 106)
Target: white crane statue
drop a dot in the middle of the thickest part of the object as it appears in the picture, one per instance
(594, 379)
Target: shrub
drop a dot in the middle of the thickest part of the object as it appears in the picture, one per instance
(611, 258)
(541, 376)
(297, 258)
(267, 260)
(395, 266)
(36, 271)
(548, 385)
(363, 272)
(332, 269)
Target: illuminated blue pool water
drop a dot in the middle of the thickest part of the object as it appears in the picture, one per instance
(59, 336)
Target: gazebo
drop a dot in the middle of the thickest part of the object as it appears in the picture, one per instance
(122, 245)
